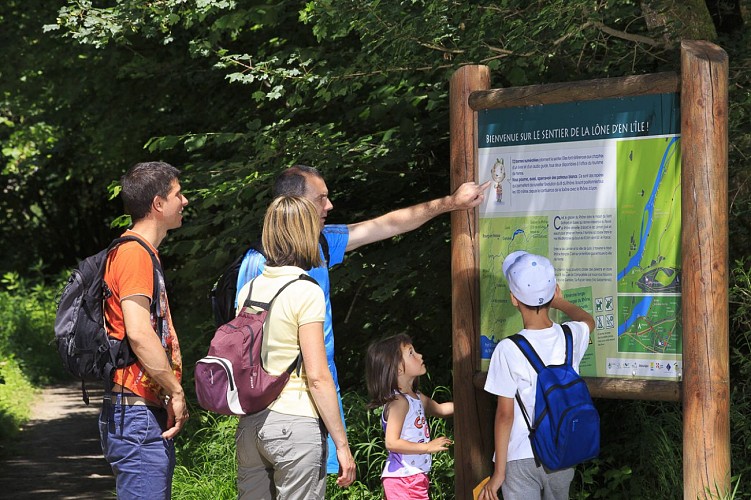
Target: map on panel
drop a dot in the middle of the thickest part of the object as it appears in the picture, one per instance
(649, 234)
(595, 186)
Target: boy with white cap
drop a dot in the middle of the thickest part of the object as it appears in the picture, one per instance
(531, 279)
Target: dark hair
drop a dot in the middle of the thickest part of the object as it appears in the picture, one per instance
(382, 363)
(291, 182)
(142, 182)
(537, 309)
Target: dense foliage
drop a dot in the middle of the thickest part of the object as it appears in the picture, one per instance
(26, 359)
(232, 91)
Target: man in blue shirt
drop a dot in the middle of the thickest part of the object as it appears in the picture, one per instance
(302, 180)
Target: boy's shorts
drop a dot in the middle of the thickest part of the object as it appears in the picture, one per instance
(413, 487)
(525, 480)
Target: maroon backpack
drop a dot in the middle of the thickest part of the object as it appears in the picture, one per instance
(231, 380)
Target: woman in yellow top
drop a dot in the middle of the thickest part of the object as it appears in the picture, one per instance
(281, 451)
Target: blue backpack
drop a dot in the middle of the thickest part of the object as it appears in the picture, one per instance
(566, 428)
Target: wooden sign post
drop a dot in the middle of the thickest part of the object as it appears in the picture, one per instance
(705, 392)
(706, 368)
(471, 427)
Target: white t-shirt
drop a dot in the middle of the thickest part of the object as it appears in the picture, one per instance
(510, 372)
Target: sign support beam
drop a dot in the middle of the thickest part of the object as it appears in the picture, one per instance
(706, 367)
(471, 413)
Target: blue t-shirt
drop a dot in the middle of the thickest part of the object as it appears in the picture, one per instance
(337, 236)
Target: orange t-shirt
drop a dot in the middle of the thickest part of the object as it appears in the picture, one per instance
(130, 272)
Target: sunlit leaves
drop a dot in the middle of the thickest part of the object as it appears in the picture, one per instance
(24, 144)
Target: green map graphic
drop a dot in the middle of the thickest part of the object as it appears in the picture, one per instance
(499, 237)
(649, 237)
(657, 332)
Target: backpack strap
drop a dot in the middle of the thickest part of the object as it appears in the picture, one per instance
(534, 359)
(257, 246)
(324, 243)
(529, 352)
(156, 304)
(569, 344)
(155, 307)
(266, 306)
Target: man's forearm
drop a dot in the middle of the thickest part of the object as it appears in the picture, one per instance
(150, 353)
(403, 220)
(146, 344)
(396, 222)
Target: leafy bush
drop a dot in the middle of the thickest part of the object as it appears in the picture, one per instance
(26, 320)
(16, 394)
(27, 313)
(207, 468)
(640, 453)
(206, 458)
(358, 89)
(740, 374)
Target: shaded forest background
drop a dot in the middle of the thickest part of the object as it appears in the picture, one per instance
(233, 91)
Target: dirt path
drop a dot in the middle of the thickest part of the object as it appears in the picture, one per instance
(59, 455)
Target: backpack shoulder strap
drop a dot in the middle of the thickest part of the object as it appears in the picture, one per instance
(529, 352)
(325, 247)
(569, 344)
(122, 239)
(157, 268)
(267, 305)
(307, 277)
(534, 359)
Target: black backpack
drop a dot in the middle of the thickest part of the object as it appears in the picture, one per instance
(224, 291)
(84, 346)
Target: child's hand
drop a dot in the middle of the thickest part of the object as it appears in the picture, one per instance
(439, 444)
(490, 490)
(573, 311)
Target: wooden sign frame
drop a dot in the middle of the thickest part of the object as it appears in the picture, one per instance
(705, 390)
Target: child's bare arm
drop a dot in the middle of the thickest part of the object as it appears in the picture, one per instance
(397, 411)
(573, 311)
(434, 409)
(504, 419)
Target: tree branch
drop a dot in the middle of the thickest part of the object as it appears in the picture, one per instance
(628, 36)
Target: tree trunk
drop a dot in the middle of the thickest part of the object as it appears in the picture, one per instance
(726, 14)
(672, 21)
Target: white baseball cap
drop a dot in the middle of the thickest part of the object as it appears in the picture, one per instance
(531, 278)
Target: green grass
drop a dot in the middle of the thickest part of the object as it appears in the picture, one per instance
(207, 468)
(206, 458)
(16, 396)
(26, 359)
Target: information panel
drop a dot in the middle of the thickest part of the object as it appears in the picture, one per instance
(595, 187)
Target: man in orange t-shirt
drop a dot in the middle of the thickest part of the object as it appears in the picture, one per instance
(145, 408)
